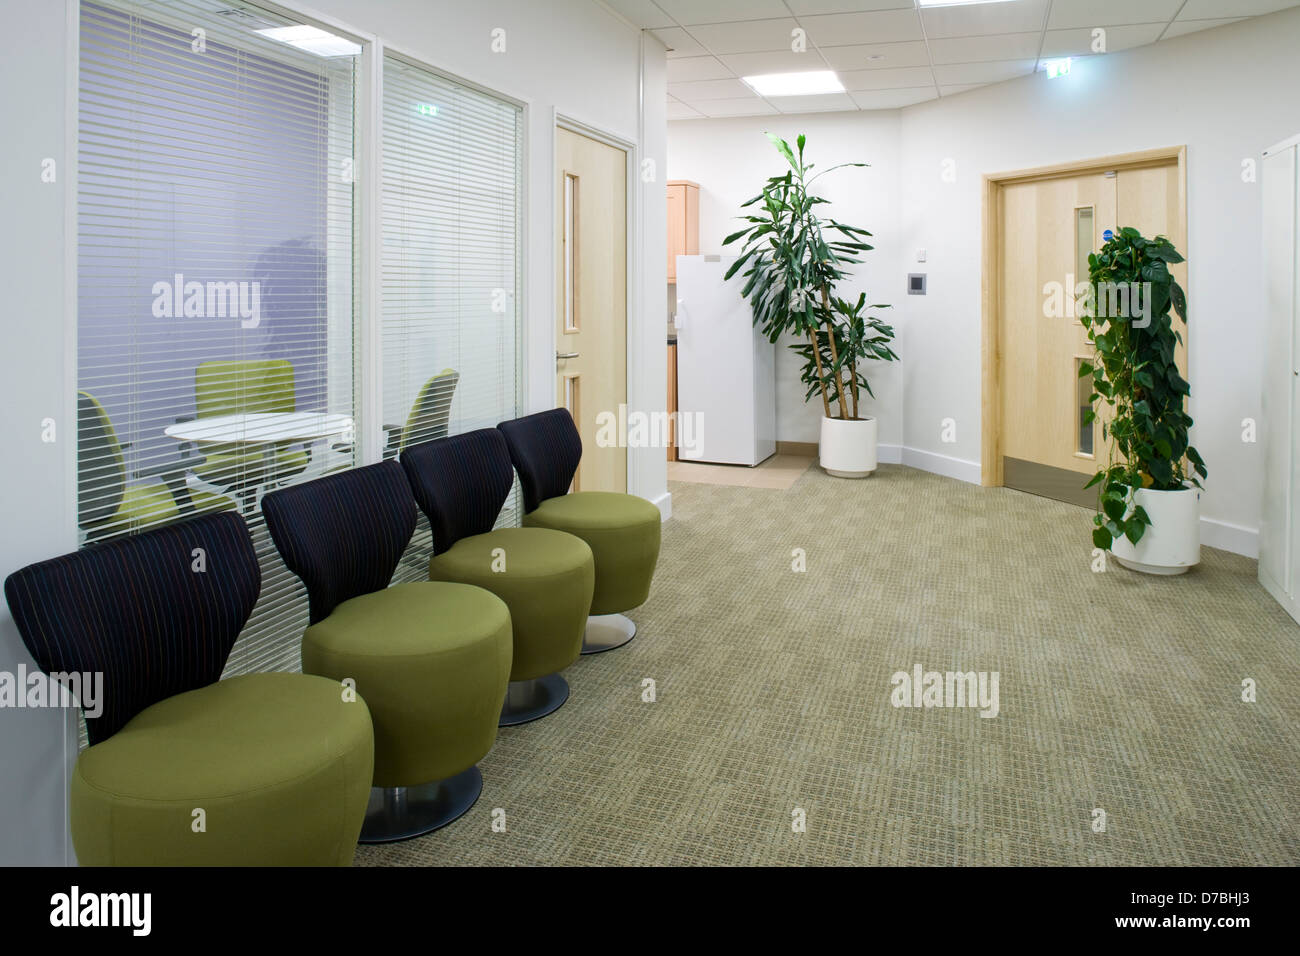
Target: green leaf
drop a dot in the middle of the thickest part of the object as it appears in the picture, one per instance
(1134, 531)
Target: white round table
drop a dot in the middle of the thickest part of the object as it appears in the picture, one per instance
(263, 430)
(259, 428)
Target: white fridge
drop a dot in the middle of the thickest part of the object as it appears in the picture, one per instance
(726, 369)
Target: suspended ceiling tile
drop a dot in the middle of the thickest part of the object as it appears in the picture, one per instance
(820, 103)
(1011, 46)
(678, 110)
(709, 90)
(846, 29)
(802, 8)
(983, 19)
(1068, 14)
(1211, 9)
(679, 42)
(644, 13)
(959, 73)
(684, 69)
(874, 56)
(749, 107)
(1183, 27)
(1080, 42)
(754, 36)
(913, 76)
(781, 61)
(893, 99)
(690, 12)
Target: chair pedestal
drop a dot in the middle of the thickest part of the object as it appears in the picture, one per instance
(605, 632)
(400, 813)
(527, 700)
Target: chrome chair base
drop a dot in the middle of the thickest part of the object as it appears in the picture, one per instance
(607, 631)
(527, 700)
(400, 813)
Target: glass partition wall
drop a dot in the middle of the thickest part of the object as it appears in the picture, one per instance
(218, 270)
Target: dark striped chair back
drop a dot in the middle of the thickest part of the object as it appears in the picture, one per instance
(545, 449)
(460, 483)
(343, 534)
(156, 613)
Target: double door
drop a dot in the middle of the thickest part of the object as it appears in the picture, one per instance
(1048, 227)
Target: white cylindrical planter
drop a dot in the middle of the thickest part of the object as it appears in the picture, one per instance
(1172, 543)
(848, 447)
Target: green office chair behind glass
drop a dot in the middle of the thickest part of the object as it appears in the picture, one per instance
(244, 387)
(430, 414)
(108, 503)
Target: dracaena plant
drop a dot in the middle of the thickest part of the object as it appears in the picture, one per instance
(794, 260)
(1126, 313)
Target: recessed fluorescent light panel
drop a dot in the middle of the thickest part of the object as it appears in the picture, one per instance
(956, 3)
(313, 40)
(794, 84)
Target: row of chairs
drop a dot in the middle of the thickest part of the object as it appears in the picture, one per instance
(403, 686)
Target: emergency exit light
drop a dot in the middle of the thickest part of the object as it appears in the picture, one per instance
(1057, 68)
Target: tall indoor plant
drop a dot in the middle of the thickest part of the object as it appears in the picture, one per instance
(793, 269)
(1148, 493)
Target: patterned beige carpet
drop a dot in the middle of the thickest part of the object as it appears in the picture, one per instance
(1118, 692)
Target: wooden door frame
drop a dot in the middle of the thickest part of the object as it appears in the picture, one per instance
(632, 385)
(990, 342)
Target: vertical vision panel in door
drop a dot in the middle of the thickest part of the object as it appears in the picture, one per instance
(1048, 229)
(591, 300)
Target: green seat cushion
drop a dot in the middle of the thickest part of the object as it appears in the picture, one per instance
(432, 661)
(545, 577)
(280, 765)
(623, 533)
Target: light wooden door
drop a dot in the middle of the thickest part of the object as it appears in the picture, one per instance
(591, 302)
(1048, 227)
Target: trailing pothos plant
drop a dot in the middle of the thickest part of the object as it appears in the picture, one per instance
(1126, 313)
(793, 268)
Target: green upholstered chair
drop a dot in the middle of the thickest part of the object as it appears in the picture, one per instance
(431, 659)
(429, 416)
(242, 387)
(622, 530)
(545, 577)
(183, 768)
(108, 504)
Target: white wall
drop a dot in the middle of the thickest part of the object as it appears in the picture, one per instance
(731, 159)
(573, 56)
(34, 364)
(1226, 94)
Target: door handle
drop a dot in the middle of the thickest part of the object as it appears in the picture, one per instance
(565, 355)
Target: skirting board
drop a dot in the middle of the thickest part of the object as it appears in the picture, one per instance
(665, 504)
(1230, 537)
(959, 468)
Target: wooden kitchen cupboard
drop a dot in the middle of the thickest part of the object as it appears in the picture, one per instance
(683, 222)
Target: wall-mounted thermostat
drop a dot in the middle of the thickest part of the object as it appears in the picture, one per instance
(916, 283)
